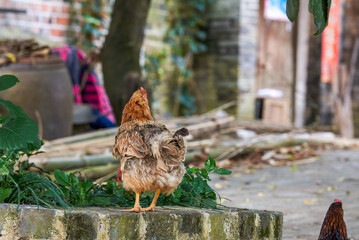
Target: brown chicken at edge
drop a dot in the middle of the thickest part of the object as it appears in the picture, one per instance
(333, 227)
(152, 157)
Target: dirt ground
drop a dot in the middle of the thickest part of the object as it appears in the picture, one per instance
(303, 193)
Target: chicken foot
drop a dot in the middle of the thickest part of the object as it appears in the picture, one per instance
(153, 204)
(137, 208)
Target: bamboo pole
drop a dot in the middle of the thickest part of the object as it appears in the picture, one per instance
(62, 163)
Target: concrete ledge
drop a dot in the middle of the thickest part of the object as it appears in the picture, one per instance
(165, 223)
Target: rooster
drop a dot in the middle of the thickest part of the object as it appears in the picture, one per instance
(333, 227)
(151, 156)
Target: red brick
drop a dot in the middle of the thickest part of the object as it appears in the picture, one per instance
(33, 7)
(44, 7)
(55, 9)
(62, 20)
(65, 9)
(57, 33)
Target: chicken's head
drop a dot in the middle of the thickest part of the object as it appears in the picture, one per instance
(140, 96)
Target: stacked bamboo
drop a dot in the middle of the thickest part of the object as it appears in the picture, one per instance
(93, 151)
(90, 154)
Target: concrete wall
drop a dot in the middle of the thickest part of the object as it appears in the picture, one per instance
(164, 223)
(248, 47)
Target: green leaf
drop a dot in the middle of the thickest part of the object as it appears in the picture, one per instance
(101, 201)
(222, 171)
(292, 9)
(19, 134)
(7, 81)
(4, 171)
(13, 110)
(92, 20)
(86, 185)
(193, 169)
(62, 178)
(4, 193)
(294, 168)
(320, 10)
(73, 179)
(204, 173)
(210, 164)
(4, 119)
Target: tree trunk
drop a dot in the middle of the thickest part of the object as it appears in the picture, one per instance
(121, 51)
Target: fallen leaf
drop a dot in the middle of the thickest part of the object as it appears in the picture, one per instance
(321, 191)
(272, 187)
(283, 156)
(219, 185)
(312, 201)
(294, 168)
(332, 188)
(341, 179)
(268, 155)
(237, 175)
(283, 150)
(262, 179)
(249, 171)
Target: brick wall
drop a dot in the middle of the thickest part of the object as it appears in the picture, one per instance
(47, 18)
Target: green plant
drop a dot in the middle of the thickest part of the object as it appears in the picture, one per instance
(173, 65)
(19, 137)
(193, 191)
(19, 184)
(318, 8)
(89, 16)
(185, 37)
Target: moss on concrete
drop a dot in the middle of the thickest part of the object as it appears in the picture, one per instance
(37, 223)
(164, 223)
(119, 226)
(80, 225)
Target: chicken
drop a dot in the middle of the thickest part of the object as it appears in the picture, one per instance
(151, 156)
(333, 227)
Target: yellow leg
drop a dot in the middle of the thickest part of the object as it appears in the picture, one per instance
(153, 204)
(137, 207)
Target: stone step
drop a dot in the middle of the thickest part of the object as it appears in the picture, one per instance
(165, 223)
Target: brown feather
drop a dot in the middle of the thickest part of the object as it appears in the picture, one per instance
(152, 157)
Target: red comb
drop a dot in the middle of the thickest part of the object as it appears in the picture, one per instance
(337, 200)
(144, 95)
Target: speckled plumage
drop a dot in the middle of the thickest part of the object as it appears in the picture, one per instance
(151, 156)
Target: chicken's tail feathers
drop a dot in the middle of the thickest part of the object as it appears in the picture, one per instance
(181, 132)
(170, 148)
